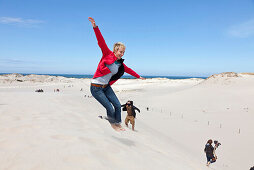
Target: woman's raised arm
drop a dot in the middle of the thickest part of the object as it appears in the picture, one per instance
(101, 42)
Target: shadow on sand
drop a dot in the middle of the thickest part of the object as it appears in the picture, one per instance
(125, 141)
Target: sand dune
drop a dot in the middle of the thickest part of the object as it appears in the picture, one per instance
(61, 130)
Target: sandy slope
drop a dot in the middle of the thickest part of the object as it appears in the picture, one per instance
(62, 131)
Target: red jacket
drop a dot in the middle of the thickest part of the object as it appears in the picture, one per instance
(108, 57)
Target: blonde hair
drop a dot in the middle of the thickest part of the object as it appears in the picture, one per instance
(117, 46)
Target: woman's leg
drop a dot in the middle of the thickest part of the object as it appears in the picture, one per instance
(114, 100)
(99, 95)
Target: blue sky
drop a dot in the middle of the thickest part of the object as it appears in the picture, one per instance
(188, 38)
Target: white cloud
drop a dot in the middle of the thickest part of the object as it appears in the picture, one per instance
(20, 21)
(243, 30)
(11, 61)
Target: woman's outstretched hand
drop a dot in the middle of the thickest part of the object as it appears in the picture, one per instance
(142, 78)
(92, 21)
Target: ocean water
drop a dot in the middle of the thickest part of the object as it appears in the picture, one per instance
(124, 76)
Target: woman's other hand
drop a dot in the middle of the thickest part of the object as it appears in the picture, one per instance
(92, 21)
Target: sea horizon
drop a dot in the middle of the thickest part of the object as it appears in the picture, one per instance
(124, 76)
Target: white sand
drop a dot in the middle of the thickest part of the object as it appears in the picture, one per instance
(61, 131)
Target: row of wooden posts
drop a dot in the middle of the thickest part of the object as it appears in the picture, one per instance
(208, 123)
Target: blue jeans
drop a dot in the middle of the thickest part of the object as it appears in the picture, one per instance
(107, 98)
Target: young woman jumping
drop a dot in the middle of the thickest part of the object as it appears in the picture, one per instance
(109, 70)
